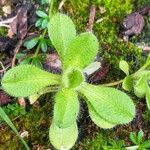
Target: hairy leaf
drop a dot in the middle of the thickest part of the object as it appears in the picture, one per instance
(35, 97)
(123, 65)
(127, 83)
(111, 104)
(63, 138)
(81, 51)
(72, 78)
(26, 80)
(61, 31)
(141, 86)
(66, 108)
(96, 118)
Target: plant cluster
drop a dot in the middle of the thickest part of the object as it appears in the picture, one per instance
(102, 142)
(14, 110)
(138, 81)
(107, 106)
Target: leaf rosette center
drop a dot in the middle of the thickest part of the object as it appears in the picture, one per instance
(72, 78)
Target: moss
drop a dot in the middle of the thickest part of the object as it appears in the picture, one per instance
(36, 122)
(142, 3)
(95, 143)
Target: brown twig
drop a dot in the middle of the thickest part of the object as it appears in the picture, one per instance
(16, 52)
(91, 18)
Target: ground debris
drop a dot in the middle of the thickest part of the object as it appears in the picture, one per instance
(4, 98)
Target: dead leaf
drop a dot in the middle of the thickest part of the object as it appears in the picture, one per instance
(91, 18)
(22, 102)
(10, 33)
(7, 9)
(53, 63)
(19, 23)
(4, 98)
(98, 75)
(2, 2)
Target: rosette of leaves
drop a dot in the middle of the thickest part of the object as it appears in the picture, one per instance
(138, 81)
(108, 107)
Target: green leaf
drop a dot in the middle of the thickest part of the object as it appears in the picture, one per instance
(45, 1)
(66, 108)
(62, 32)
(148, 98)
(41, 14)
(123, 65)
(30, 44)
(44, 23)
(26, 80)
(26, 61)
(39, 22)
(37, 62)
(44, 45)
(63, 138)
(110, 104)
(81, 51)
(145, 144)
(133, 138)
(96, 118)
(72, 78)
(140, 136)
(127, 83)
(20, 55)
(4, 116)
(141, 86)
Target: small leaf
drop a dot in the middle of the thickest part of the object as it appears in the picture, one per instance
(37, 62)
(148, 98)
(63, 138)
(82, 51)
(123, 65)
(44, 23)
(66, 108)
(45, 1)
(26, 80)
(141, 86)
(62, 32)
(145, 144)
(30, 44)
(26, 61)
(44, 46)
(39, 22)
(20, 55)
(41, 13)
(112, 105)
(96, 118)
(133, 138)
(127, 83)
(72, 78)
(140, 136)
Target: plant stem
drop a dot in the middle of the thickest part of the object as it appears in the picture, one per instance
(51, 8)
(39, 45)
(112, 83)
(45, 30)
